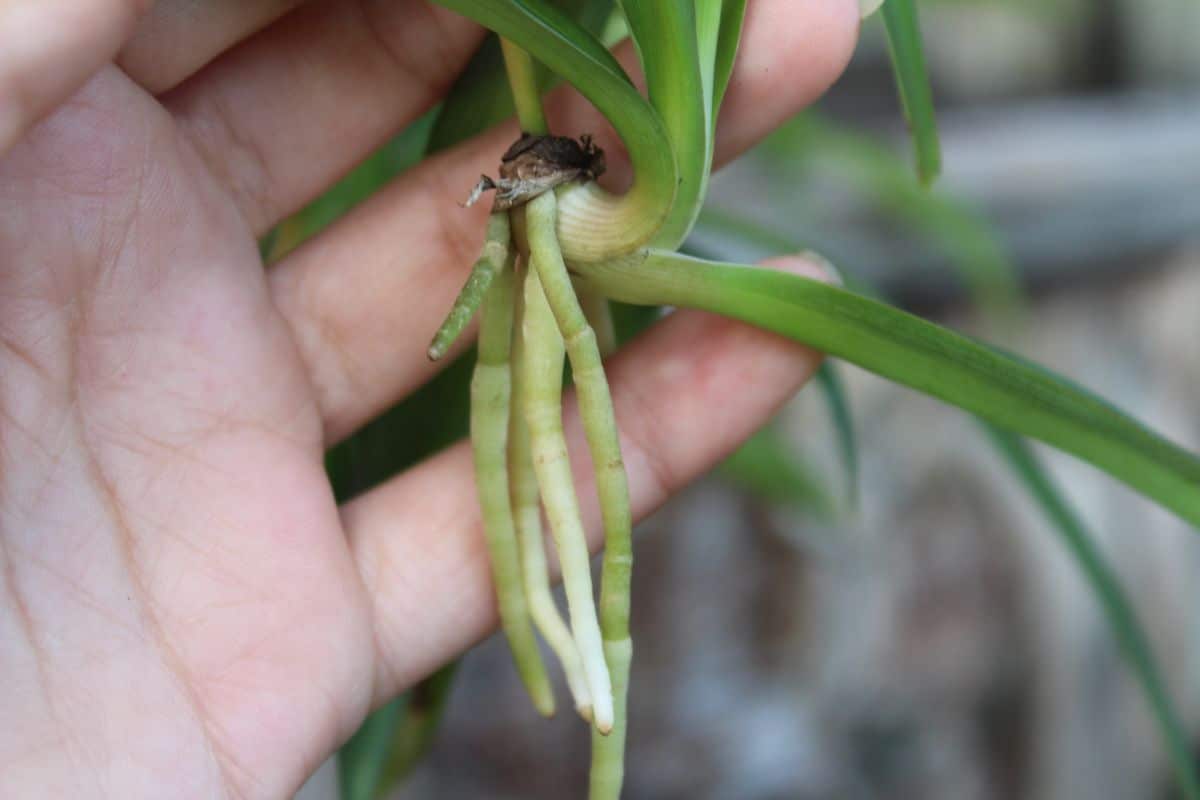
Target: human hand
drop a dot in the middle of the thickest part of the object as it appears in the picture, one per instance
(185, 610)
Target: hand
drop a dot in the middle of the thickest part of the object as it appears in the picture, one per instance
(184, 610)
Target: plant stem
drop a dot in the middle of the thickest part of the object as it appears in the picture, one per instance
(543, 413)
(522, 79)
(600, 428)
(490, 395)
(527, 516)
(497, 247)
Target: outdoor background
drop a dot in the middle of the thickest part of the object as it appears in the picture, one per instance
(935, 640)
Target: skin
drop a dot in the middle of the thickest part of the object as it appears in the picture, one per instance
(185, 611)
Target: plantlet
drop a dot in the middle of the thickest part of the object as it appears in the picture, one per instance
(558, 246)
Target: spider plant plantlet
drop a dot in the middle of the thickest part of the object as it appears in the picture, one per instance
(622, 247)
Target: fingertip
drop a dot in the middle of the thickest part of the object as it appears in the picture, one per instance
(790, 54)
(809, 264)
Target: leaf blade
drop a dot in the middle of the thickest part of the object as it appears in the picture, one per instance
(665, 34)
(1118, 610)
(912, 81)
(829, 381)
(917, 353)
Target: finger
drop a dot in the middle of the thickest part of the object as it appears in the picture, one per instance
(178, 37)
(48, 48)
(282, 117)
(686, 393)
(364, 298)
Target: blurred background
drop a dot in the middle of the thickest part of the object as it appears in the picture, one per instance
(904, 622)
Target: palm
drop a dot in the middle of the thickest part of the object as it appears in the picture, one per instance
(203, 586)
(181, 600)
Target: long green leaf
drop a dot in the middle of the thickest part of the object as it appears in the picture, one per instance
(829, 380)
(718, 31)
(733, 13)
(665, 34)
(912, 80)
(916, 353)
(1117, 609)
(708, 39)
(399, 154)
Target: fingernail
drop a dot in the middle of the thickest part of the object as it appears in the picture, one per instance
(835, 275)
(811, 263)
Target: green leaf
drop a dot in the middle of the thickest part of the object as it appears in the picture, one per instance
(480, 97)
(414, 734)
(769, 468)
(874, 170)
(919, 354)
(393, 739)
(665, 34)
(733, 13)
(399, 154)
(363, 760)
(1119, 612)
(708, 40)
(912, 80)
(718, 31)
(829, 380)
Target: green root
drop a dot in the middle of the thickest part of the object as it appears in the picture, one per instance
(497, 248)
(600, 428)
(490, 396)
(520, 451)
(527, 515)
(543, 362)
